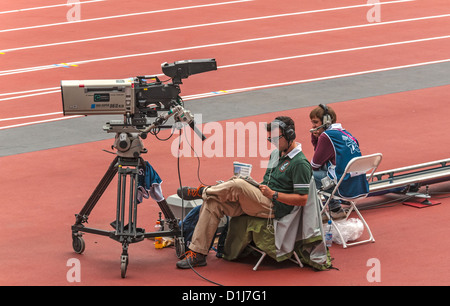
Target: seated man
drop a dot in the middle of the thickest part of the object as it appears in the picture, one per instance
(284, 186)
(334, 147)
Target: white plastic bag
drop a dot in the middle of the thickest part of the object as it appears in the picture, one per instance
(351, 229)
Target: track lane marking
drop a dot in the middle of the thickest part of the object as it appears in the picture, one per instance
(46, 7)
(42, 91)
(52, 66)
(236, 90)
(124, 15)
(187, 27)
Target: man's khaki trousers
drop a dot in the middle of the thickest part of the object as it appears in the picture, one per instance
(231, 198)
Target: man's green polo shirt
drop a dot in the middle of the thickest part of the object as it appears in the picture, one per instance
(290, 173)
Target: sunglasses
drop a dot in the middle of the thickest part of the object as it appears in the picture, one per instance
(272, 139)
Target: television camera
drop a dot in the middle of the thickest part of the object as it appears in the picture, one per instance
(138, 99)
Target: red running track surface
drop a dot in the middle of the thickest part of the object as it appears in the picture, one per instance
(41, 191)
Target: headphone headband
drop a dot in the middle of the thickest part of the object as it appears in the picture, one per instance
(288, 132)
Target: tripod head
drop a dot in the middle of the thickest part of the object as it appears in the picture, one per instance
(128, 141)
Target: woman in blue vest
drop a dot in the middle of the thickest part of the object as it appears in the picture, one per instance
(334, 147)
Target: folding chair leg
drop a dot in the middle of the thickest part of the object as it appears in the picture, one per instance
(344, 244)
(297, 260)
(263, 254)
(260, 259)
(371, 239)
(325, 209)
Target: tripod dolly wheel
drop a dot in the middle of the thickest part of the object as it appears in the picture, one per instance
(179, 246)
(123, 265)
(78, 244)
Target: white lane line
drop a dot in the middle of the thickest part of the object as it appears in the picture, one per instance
(40, 121)
(186, 27)
(338, 51)
(231, 91)
(46, 7)
(43, 91)
(31, 116)
(27, 91)
(57, 89)
(45, 67)
(123, 15)
(237, 90)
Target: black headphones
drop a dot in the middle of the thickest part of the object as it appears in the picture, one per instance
(326, 119)
(288, 131)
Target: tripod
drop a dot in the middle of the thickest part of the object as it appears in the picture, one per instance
(127, 169)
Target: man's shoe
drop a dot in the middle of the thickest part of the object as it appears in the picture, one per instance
(338, 215)
(190, 193)
(192, 259)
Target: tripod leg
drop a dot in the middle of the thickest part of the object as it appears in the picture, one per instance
(121, 193)
(132, 203)
(97, 193)
(168, 215)
(174, 227)
(133, 198)
(127, 171)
